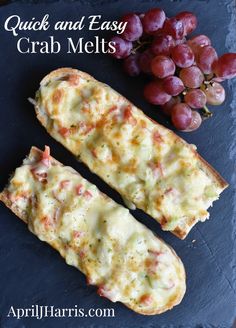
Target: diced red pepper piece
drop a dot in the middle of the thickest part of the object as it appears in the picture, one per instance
(82, 254)
(78, 234)
(88, 194)
(105, 292)
(128, 117)
(94, 153)
(79, 189)
(46, 157)
(64, 132)
(156, 168)
(40, 176)
(112, 109)
(102, 291)
(64, 184)
(88, 129)
(47, 222)
(85, 128)
(73, 79)
(169, 190)
(157, 138)
(155, 253)
(146, 299)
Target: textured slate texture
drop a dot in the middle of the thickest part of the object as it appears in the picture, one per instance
(30, 271)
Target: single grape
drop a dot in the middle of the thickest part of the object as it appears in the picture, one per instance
(144, 61)
(162, 44)
(196, 121)
(215, 94)
(225, 66)
(181, 116)
(192, 77)
(123, 48)
(197, 42)
(162, 66)
(206, 58)
(189, 21)
(174, 27)
(131, 66)
(200, 40)
(167, 108)
(154, 93)
(195, 98)
(153, 20)
(134, 29)
(173, 85)
(182, 55)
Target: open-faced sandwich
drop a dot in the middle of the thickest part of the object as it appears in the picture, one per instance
(96, 235)
(149, 165)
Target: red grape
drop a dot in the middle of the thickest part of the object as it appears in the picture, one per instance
(192, 77)
(200, 40)
(162, 66)
(182, 55)
(195, 98)
(174, 27)
(167, 108)
(225, 66)
(153, 20)
(173, 85)
(131, 65)
(134, 29)
(189, 21)
(215, 94)
(154, 93)
(197, 42)
(205, 59)
(181, 116)
(162, 44)
(122, 47)
(196, 121)
(144, 61)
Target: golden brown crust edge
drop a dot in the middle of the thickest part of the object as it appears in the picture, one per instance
(35, 152)
(8, 203)
(180, 232)
(214, 174)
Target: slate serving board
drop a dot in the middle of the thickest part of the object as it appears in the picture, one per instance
(33, 273)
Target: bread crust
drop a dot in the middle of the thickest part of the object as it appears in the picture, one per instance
(179, 231)
(36, 153)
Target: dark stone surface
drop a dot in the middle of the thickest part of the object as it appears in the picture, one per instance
(33, 273)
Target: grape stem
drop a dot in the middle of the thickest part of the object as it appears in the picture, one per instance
(206, 112)
(140, 45)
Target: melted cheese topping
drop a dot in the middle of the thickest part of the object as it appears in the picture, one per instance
(146, 163)
(97, 236)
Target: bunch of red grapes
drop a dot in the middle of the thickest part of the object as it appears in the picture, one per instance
(185, 72)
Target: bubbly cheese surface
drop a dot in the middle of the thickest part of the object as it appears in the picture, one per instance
(146, 163)
(96, 235)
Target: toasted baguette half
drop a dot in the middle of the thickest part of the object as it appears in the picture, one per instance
(96, 235)
(150, 166)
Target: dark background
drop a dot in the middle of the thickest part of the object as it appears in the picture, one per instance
(33, 273)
